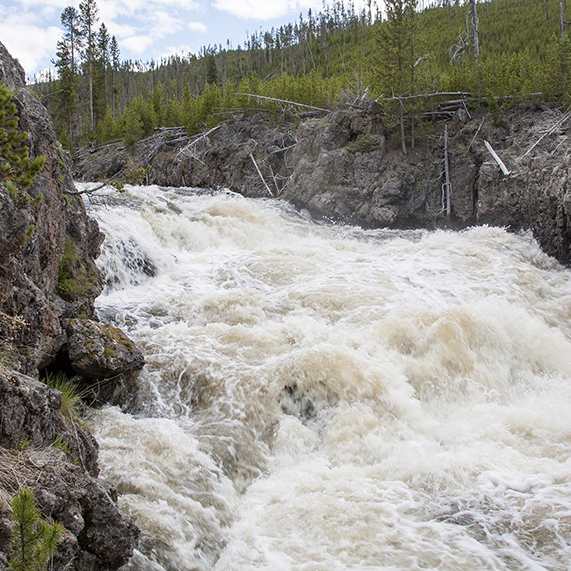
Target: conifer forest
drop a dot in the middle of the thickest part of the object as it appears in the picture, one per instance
(498, 53)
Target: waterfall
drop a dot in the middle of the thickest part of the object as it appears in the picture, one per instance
(323, 397)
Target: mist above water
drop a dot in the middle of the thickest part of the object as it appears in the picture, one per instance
(321, 397)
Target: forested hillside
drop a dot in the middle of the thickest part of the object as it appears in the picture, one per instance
(499, 53)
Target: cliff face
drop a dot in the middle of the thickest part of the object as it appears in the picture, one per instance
(38, 224)
(48, 283)
(347, 166)
(344, 169)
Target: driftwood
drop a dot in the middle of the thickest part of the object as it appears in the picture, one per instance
(192, 144)
(447, 185)
(420, 95)
(283, 150)
(91, 190)
(557, 125)
(497, 159)
(261, 176)
(474, 137)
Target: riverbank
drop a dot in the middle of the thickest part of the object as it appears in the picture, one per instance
(347, 166)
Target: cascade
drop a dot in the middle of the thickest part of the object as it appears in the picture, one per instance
(323, 397)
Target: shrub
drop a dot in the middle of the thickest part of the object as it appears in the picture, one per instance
(34, 540)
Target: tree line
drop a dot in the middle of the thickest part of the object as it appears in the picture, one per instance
(487, 49)
(87, 63)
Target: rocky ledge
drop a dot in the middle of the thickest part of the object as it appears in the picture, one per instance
(348, 166)
(48, 284)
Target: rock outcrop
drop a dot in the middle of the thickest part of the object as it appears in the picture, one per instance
(55, 457)
(48, 281)
(343, 169)
(347, 166)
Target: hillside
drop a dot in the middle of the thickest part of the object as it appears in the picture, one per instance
(322, 60)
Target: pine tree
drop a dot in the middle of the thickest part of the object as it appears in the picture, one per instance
(68, 101)
(34, 540)
(72, 34)
(15, 165)
(88, 19)
(397, 54)
(133, 127)
(115, 61)
(104, 61)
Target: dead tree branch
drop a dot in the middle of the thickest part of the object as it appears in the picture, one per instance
(286, 102)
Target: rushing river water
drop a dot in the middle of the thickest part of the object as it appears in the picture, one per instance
(321, 397)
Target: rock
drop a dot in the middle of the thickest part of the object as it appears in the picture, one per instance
(97, 535)
(347, 166)
(33, 433)
(48, 276)
(98, 350)
(40, 224)
(11, 72)
(30, 416)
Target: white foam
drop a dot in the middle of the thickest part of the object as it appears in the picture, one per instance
(345, 399)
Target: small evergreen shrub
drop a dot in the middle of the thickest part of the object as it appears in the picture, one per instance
(15, 164)
(34, 540)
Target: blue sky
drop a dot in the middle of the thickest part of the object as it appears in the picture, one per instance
(145, 29)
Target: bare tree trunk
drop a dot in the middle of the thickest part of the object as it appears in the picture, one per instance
(447, 174)
(476, 32)
(401, 116)
(561, 21)
(91, 113)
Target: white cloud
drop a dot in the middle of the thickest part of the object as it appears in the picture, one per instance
(30, 44)
(268, 9)
(264, 9)
(161, 24)
(136, 45)
(142, 8)
(197, 27)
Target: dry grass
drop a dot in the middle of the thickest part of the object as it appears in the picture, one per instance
(23, 469)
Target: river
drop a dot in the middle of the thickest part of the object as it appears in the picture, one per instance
(323, 397)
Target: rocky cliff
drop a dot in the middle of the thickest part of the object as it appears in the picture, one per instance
(48, 283)
(347, 166)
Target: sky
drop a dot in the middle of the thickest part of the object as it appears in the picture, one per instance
(145, 30)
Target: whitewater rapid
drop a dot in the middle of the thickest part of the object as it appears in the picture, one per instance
(321, 397)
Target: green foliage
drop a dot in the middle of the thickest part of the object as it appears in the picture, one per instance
(316, 61)
(24, 443)
(71, 402)
(15, 165)
(135, 176)
(60, 444)
(29, 233)
(133, 130)
(363, 144)
(34, 540)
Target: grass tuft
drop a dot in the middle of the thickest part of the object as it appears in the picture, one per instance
(72, 396)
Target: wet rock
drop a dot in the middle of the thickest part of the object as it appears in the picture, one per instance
(98, 350)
